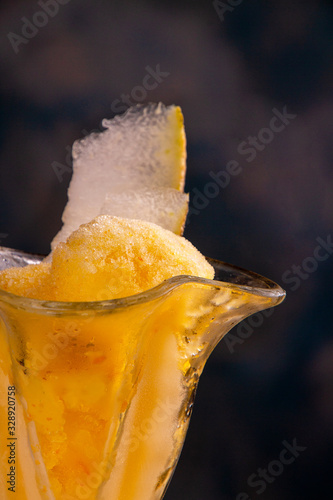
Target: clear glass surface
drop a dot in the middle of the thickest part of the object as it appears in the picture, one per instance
(104, 390)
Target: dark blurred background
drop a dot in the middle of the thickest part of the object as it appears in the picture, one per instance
(232, 66)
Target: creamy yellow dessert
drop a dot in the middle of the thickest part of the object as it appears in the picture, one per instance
(108, 258)
(87, 381)
(75, 378)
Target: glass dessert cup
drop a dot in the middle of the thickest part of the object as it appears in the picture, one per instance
(104, 390)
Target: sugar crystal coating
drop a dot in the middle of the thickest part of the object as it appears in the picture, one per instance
(143, 148)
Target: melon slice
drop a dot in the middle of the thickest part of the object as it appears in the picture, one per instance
(144, 149)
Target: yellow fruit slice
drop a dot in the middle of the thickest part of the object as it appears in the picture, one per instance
(143, 149)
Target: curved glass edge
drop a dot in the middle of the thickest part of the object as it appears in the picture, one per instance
(226, 275)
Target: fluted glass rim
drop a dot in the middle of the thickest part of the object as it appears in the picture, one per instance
(233, 276)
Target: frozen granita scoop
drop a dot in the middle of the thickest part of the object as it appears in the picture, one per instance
(107, 258)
